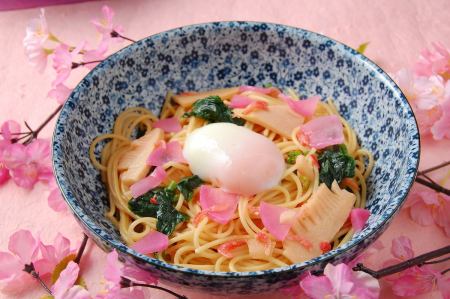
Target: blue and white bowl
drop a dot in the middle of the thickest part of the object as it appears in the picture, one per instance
(213, 55)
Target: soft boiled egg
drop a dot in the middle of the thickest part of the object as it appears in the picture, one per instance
(234, 158)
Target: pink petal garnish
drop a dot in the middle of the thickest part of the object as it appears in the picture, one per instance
(24, 245)
(175, 152)
(152, 242)
(322, 131)
(270, 216)
(164, 153)
(269, 91)
(66, 280)
(402, 248)
(149, 182)
(220, 205)
(169, 125)
(305, 107)
(359, 217)
(240, 101)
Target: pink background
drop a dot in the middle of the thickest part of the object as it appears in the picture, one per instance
(396, 30)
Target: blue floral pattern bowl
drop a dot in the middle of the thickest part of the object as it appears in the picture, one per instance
(224, 54)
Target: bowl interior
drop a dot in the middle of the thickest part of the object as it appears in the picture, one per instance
(214, 55)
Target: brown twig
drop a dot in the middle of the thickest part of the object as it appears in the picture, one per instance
(81, 249)
(433, 168)
(28, 137)
(417, 261)
(116, 34)
(29, 268)
(127, 283)
(77, 64)
(434, 186)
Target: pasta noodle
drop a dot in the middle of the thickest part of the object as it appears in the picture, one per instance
(196, 245)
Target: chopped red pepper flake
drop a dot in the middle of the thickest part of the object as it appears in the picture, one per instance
(226, 248)
(325, 246)
(153, 200)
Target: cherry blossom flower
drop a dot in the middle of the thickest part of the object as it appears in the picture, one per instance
(53, 254)
(64, 287)
(95, 55)
(4, 174)
(60, 93)
(114, 270)
(62, 61)
(367, 254)
(29, 164)
(341, 282)
(435, 61)
(441, 128)
(105, 25)
(7, 131)
(415, 280)
(427, 207)
(24, 249)
(429, 97)
(36, 35)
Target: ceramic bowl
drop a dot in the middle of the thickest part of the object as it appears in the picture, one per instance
(224, 54)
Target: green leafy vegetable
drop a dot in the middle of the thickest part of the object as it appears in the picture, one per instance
(158, 203)
(187, 186)
(168, 217)
(362, 48)
(142, 205)
(214, 110)
(335, 164)
(267, 85)
(292, 156)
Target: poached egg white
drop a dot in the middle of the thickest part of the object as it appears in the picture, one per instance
(234, 158)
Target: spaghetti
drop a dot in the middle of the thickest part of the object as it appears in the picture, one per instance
(199, 242)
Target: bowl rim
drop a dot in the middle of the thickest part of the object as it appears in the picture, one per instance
(414, 157)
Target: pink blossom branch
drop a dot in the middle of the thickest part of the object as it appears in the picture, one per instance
(127, 283)
(429, 182)
(29, 268)
(33, 134)
(417, 261)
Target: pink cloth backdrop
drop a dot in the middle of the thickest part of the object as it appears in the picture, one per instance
(396, 30)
